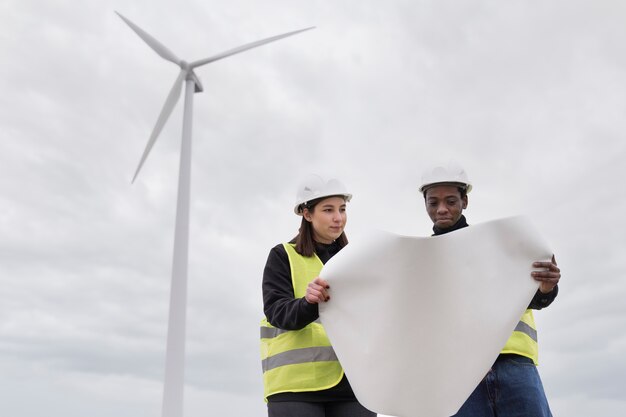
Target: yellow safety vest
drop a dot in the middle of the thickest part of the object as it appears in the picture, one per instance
(523, 341)
(298, 360)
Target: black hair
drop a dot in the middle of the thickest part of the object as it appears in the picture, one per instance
(461, 187)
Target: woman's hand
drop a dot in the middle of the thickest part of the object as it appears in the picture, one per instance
(317, 291)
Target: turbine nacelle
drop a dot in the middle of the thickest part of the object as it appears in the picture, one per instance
(196, 81)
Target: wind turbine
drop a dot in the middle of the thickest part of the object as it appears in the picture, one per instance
(173, 387)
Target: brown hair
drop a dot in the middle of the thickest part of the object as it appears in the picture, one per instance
(305, 244)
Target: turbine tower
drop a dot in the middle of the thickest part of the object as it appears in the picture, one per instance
(173, 386)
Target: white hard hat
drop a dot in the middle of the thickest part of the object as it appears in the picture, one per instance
(452, 173)
(314, 187)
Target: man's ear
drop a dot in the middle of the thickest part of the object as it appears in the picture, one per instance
(465, 201)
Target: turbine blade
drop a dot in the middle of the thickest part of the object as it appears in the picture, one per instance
(245, 48)
(168, 107)
(157, 46)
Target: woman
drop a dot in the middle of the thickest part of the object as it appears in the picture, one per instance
(301, 374)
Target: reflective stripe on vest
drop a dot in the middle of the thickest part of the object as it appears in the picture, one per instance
(523, 341)
(270, 332)
(525, 328)
(295, 356)
(298, 360)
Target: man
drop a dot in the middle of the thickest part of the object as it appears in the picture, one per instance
(512, 386)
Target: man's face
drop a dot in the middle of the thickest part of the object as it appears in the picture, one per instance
(445, 205)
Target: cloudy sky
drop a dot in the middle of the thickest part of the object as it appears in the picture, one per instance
(529, 96)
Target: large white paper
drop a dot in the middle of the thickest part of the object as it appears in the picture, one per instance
(417, 322)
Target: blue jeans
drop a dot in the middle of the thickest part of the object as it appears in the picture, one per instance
(511, 388)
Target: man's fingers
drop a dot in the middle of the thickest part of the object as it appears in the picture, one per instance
(546, 274)
(548, 278)
(548, 265)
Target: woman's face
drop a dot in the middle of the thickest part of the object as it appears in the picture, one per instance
(328, 219)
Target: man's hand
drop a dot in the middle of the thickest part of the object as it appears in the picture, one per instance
(547, 278)
(317, 291)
